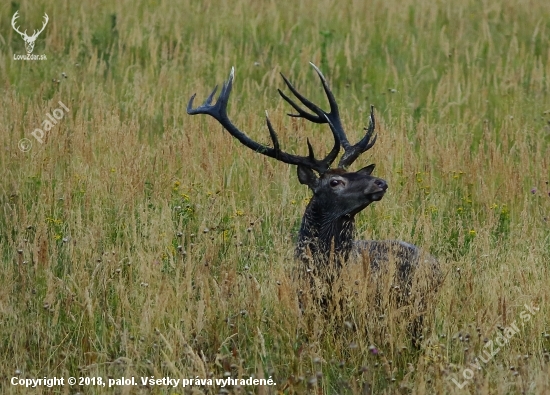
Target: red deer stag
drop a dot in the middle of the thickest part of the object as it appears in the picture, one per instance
(327, 229)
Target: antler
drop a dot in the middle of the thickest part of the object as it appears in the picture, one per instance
(46, 19)
(35, 34)
(219, 112)
(15, 16)
(352, 152)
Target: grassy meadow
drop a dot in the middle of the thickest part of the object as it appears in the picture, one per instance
(138, 241)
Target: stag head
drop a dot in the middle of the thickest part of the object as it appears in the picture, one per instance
(345, 193)
(29, 40)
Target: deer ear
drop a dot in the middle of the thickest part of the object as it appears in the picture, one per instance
(307, 177)
(367, 170)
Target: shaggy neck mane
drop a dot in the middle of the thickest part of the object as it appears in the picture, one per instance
(323, 233)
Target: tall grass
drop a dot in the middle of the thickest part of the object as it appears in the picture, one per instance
(139, 241)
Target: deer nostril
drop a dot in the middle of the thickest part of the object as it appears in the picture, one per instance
(381, 184)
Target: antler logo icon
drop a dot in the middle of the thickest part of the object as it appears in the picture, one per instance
(29, 40)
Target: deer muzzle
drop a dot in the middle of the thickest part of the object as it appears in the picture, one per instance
(377, 191)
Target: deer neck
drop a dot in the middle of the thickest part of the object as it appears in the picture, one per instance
(323, 234)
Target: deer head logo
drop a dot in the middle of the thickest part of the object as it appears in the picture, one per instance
(29, 40)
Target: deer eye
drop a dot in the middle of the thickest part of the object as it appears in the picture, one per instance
(334, 183)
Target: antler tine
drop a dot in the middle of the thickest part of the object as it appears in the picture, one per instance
(318, 118)
(301, 112)
(332, 118)
(334, 112)
(219, 112)
(321, 116)
(220, 108)
(46, 19)
(272, 134)
(16, 28)
(353, 152)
